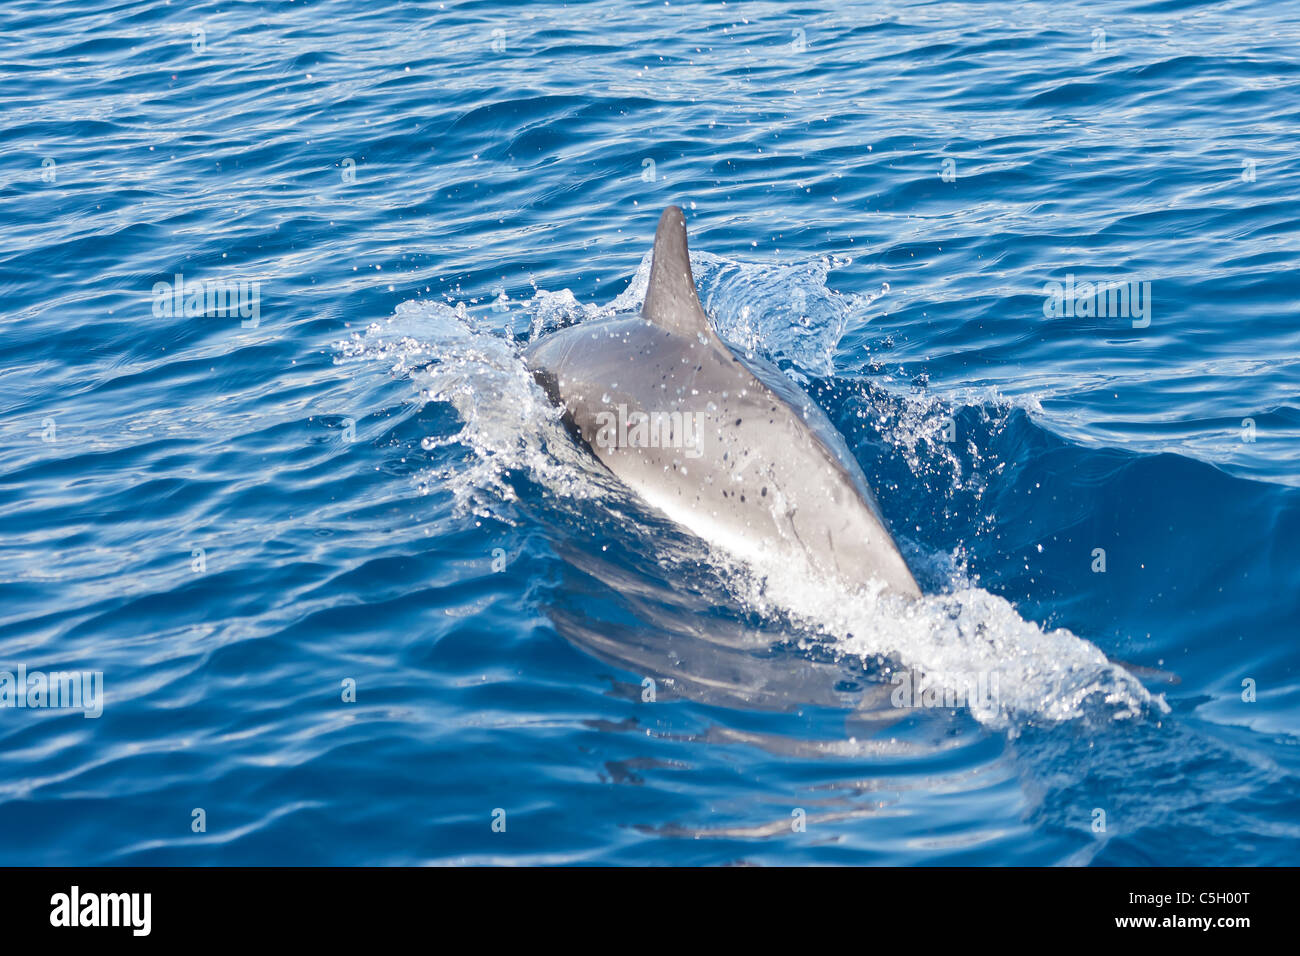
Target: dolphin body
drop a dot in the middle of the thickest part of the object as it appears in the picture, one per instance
(728, 448)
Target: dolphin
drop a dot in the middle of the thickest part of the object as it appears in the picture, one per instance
(725, 446)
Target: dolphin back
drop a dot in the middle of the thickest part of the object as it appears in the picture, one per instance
(733, 451)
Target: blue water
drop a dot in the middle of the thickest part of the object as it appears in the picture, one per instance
(233, 520)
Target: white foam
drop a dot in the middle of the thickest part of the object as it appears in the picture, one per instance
(507, 422)
(961, 638)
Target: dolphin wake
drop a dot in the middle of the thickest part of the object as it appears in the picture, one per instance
(958, 636)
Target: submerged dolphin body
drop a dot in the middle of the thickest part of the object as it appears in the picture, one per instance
(729, 449)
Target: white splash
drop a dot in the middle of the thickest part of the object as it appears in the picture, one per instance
(507, 422)
(960, 638)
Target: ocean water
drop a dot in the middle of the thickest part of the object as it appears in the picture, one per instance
(355, 594)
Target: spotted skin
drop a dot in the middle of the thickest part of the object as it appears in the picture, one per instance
(743, 458)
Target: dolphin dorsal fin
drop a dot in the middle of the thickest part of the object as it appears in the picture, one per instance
(671, 301)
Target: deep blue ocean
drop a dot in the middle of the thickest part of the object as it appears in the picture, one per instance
(356, 595)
